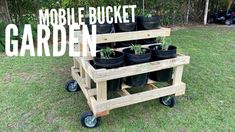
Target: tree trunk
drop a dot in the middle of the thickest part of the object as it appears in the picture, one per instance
(206, 12)
(188, 11)
(20, 9)
(37, 5)
(230, 2)
(4, 11)
(143, 6)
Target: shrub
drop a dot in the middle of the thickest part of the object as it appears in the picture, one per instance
(2, 36)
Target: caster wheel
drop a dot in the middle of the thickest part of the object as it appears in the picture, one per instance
(72, 86)
(89, 121)
(169, 101)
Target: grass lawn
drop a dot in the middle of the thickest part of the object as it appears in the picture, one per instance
(33, 98)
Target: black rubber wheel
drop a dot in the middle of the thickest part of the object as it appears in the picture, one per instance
(169, 101)
(72, 86)
(88, 120)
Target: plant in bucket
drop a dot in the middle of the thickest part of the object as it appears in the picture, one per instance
(136, 55)
(148, 21)
(161, 52)
(107, 58)
(125, 27)
(101, 29)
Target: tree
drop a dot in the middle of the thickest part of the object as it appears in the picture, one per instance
(230, 2)
(206, 12)
(37, 7)
(188, 10)
(4, 11)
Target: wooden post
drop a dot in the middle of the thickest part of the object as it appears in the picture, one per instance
(82, 72)
(76, 63)
(88, 80)
(101, 89)
(177, 78)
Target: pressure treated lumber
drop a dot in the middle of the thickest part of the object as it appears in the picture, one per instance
(127, 36)
(103, 74)
(138, 97)
(84, 73)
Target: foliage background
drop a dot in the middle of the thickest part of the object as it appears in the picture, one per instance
(172, 12)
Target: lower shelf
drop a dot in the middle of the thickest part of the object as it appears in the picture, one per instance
(129, 99)
(101, 108)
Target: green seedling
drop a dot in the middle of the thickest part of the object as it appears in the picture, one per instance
(106, 53)
(165, 43)
(138, 49)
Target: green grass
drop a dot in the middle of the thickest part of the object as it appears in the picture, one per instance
(32, 96)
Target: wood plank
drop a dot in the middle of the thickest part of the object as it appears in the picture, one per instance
(123, 92)
(88, 80)
(101, 114)
(178, 74)
(92, 92)
(126, 36)
(151, 81)
(89, 56)
(177, 78)
(76, 70)
(150, 86)
(101, 91)
(104, 74)
(122, 48)
(89, 69)
(80, 81)
(75, 63)
(91, 101)
(82, 72)
(124, 86)
(138, 97)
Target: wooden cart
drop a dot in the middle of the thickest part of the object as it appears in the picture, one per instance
(83, 73)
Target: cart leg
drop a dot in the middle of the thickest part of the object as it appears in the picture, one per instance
(82, 72)
(76, 63)
(101, 90)
(88, 81)
(177, 79)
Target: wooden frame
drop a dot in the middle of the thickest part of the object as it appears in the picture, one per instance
(83, 72)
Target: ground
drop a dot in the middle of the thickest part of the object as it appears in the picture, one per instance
(33, 98)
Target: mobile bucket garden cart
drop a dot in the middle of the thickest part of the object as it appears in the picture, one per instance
(85, 74)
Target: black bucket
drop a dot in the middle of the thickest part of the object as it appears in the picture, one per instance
(158, 54)
(100, 28)
(113, 62)
(148, 23)
(124, 44)
(125, 27)
(147, 41)
(104, 45)
(131, 59)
